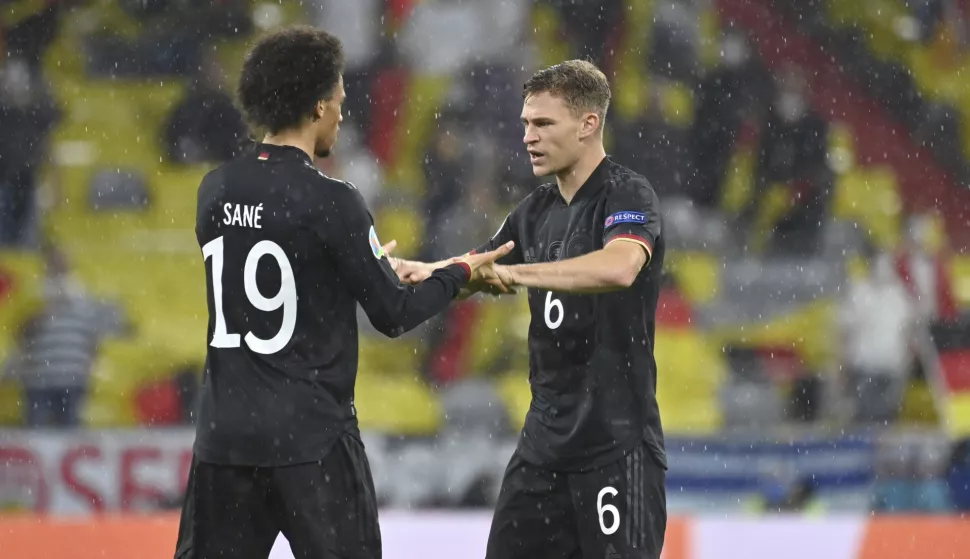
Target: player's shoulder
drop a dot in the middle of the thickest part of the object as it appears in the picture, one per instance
(331, 192)
(622, 178)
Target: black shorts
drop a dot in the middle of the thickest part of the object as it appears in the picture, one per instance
(324, 509)
(616, 512)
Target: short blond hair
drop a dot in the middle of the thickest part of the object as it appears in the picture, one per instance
(579, 83)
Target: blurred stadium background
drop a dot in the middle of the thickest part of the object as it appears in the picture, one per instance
(812, 157)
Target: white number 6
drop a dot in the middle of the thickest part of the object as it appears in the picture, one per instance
(602, 509)
(553, 304)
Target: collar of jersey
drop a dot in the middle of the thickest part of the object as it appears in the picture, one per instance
(593, 185)
(280, 153)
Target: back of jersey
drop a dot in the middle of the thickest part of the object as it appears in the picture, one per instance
(282, 340)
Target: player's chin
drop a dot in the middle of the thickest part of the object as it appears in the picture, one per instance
(324, 149)
(541, 170)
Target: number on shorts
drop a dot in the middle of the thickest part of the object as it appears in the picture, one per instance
(602, 509)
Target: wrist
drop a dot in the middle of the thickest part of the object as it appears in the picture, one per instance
(467, 269)
(512, 276)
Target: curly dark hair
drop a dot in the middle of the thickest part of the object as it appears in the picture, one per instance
(579, 83)
(286, 74)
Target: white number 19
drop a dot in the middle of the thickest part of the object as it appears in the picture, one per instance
(286, 297)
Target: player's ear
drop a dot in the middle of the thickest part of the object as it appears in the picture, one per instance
(591, 124)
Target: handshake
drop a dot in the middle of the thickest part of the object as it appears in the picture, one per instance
(486, 275)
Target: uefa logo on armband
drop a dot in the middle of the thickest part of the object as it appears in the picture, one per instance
(625, 217)
(375, 245)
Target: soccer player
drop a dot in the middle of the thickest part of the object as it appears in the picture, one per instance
(587, 478)
(290, 254)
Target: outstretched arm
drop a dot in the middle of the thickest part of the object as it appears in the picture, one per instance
(630, 231)
(612, 268)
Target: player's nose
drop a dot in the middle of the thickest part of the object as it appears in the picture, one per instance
(530, 136)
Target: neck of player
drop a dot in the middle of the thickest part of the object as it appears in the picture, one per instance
(303, 139)
(572, 179)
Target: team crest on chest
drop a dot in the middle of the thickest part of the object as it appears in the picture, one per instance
(555, 252)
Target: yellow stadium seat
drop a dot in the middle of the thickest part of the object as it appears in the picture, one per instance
(870, 197)
(960, 275)
(919, 407)
(380, 356)
(697, 273)
(957, 415)
(514, 391)
(11, 401)
(26, 295)
(122, 366)
(690, 372)
(499, 335)
(738, 182)
(396, 403)
(808, 329)
(423, 99)
(403, 224)
(546, 26)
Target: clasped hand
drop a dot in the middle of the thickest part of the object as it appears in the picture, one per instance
(486, 275)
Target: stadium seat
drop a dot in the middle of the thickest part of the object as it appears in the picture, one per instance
(402, 224)
(23, 274)
(697, 273)
(960, 274)
(423, 101)
(691, 371)
(808, 329)
(398, 404)
(499, 337)
(122, 366)
(870, 197)
(513, 389)
(24, 296)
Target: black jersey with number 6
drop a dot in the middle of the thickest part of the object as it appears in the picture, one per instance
(289, 254)
(591, 361)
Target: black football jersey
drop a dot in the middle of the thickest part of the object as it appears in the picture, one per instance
(591, 360)
(289, 253)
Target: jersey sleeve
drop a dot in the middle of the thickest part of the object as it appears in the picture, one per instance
(633, 215)
(392, 307)
(506, 232)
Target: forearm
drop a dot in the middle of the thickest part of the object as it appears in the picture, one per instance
(601, 271)
(394, 310)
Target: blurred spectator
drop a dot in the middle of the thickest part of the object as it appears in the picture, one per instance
(785, 491)
(793, 154)
(446, 167)
(28, 38)
(27, 117)
(877, 319)
(723, 96)
(924, 271)
(58, 348)
(653, 145)
(172, 37)
(205, 126)
(358, 26)
(958, 475)
(589, 26)
(354, 163)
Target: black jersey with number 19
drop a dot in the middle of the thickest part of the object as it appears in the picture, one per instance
(289, 254)
(591, 361)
